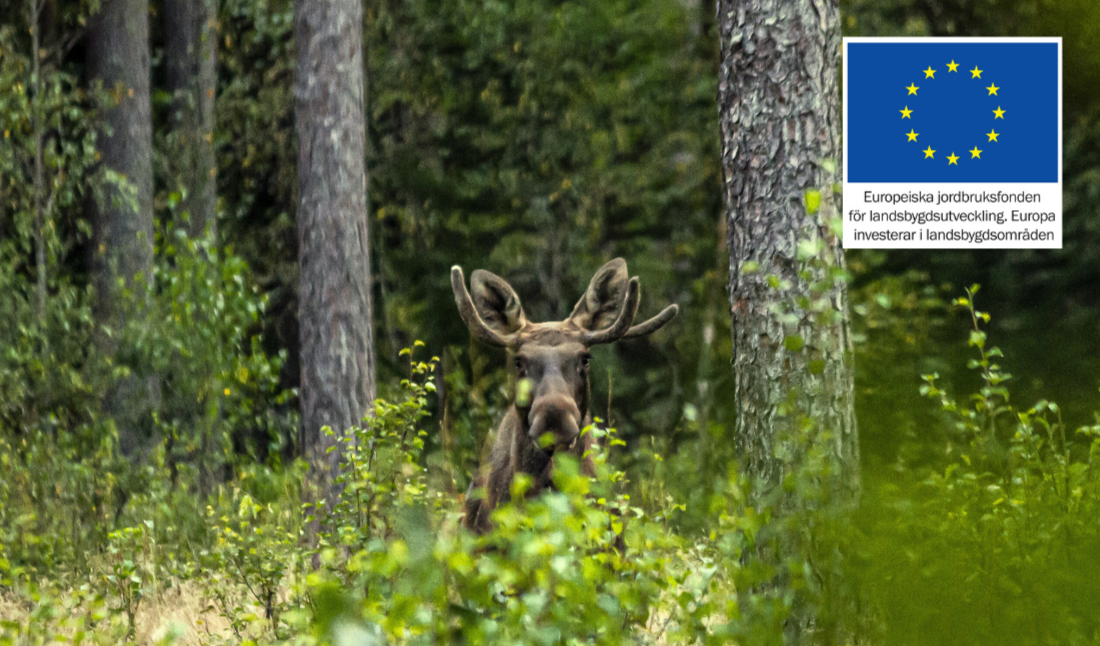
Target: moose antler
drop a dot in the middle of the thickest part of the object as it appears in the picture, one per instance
(652, 325)
(469, 314)
(622, 324)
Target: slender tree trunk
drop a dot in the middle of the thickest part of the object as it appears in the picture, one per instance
(335, 317)
(3, 209)
(190, 47)
(41, 16)
(779, 117)
(40, 216)
(122, 218)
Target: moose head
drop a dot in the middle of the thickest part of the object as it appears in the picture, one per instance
(551, 403)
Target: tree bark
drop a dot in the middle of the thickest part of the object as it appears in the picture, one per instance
(190, 47)
(37, 108)
(122, 217)
(335, 315)
(779, 117)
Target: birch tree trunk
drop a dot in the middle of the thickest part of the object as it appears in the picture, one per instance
(190, 47)
(122, 216)
(779, 117)
(335, 316)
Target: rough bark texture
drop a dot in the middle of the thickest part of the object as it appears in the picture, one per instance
(337, 385)
(190, 47)
(779, 117)
(122, 220)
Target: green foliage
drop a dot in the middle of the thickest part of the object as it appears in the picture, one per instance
(900, 330)
(45, 368)
(787, 548)
(220, 395)
(131, 570)
(970, 550)
(578, 565)
(255, 546)
(65, 485)
(536, 140)
(257, 162)
(57, 496)
(382, 463)
(991, 545)
(219, 399)
(77, 616)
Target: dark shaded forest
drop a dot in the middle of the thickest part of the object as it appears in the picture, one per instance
(238, 403)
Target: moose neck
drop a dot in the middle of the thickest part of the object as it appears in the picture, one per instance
(529, 458)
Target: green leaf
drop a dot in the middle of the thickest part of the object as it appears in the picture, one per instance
(794, 343)
(813, 200)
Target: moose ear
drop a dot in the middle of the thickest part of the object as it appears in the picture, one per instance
(496, 302)
(602, 301)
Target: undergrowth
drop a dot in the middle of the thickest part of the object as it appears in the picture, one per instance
(991, 545)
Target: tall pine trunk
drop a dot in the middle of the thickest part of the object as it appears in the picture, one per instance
(122, 216)
(779, 117)
(337, 379)
(190, 49)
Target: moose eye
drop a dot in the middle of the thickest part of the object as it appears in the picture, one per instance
(585, 359)
(521, 367)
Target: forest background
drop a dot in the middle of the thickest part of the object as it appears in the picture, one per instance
(534, 139)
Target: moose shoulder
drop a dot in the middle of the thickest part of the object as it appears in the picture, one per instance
(551, 404)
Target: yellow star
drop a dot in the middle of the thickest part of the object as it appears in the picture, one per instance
(992, 134)
(929, 73)
(992, 89)
(975, 153)
(912, 135)
(975, 73)
(952, 159)
(998, 113)
(912, 89)
(928, 152)
(905, 112)
(952, 66)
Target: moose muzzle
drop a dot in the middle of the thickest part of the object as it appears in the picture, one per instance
(558, 419)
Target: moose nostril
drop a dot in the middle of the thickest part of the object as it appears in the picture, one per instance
(553, 425)
(537, 425)
(570, 430)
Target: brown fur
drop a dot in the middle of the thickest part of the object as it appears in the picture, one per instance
(553, 358)
(511, 453)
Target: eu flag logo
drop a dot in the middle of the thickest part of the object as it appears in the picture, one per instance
(952, 111)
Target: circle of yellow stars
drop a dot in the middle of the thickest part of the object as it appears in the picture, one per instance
(930, 73)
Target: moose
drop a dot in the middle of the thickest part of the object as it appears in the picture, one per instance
(551, 402)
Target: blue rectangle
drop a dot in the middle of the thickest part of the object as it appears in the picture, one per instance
(999, 99)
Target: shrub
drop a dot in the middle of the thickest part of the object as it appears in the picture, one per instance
(993, 545)
(553, 571)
